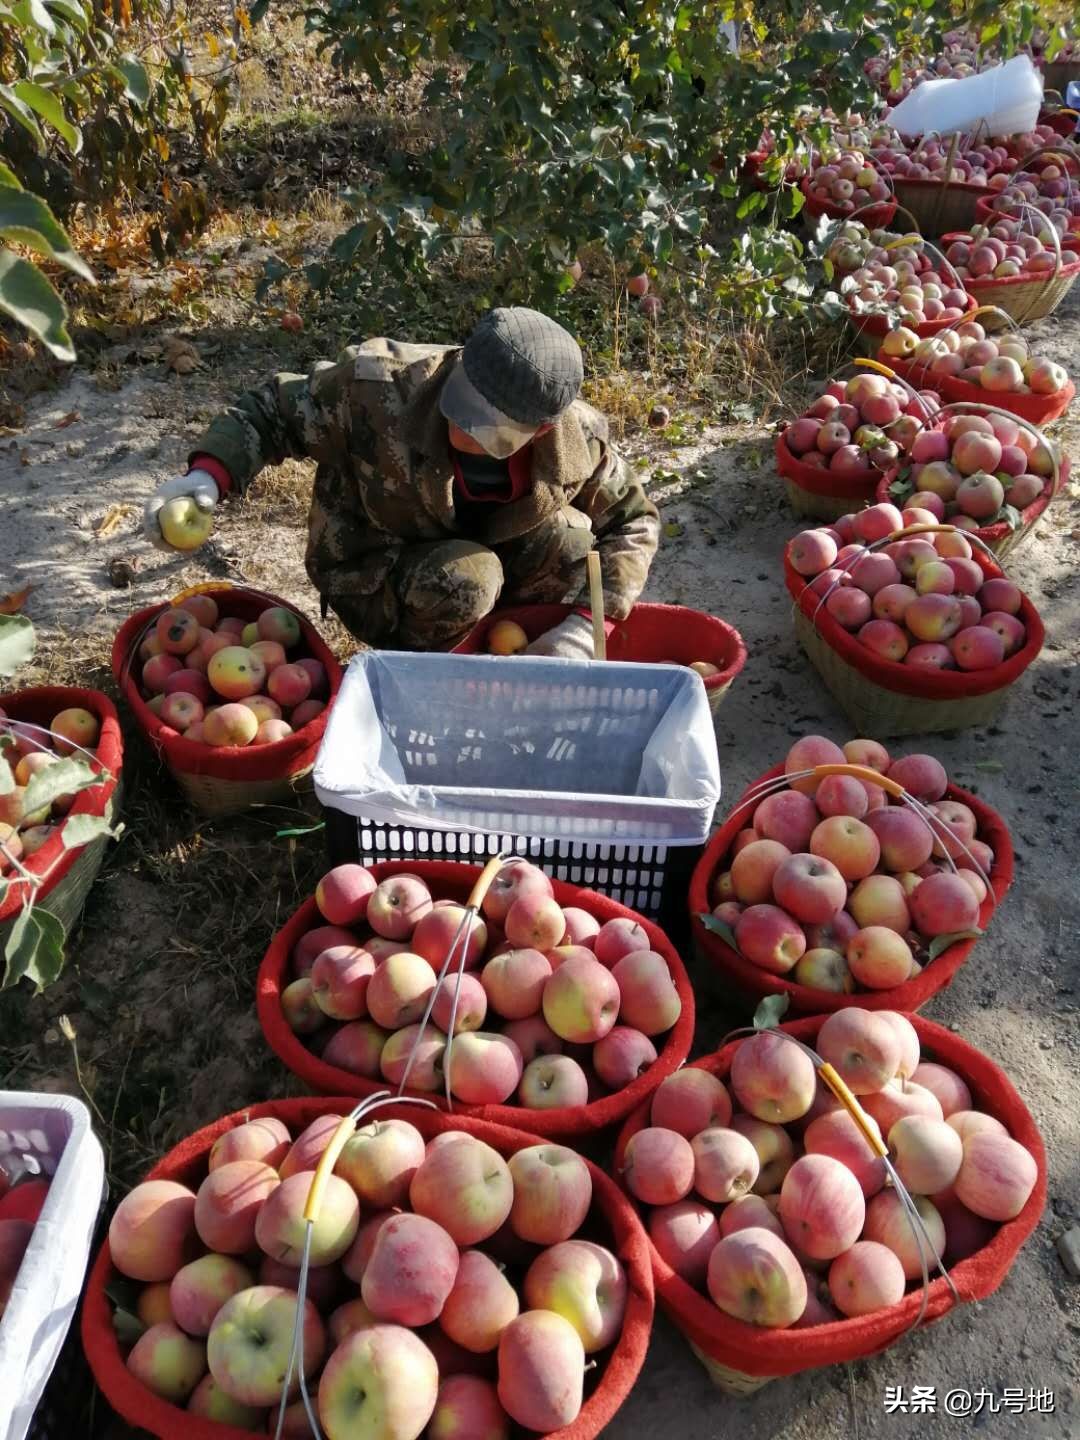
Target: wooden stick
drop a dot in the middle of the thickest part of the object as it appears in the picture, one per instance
(596, 605)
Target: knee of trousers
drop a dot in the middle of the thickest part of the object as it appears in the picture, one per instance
(457, 582)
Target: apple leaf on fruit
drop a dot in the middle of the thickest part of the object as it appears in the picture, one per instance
(7, 779)
(65, 777)
(47, 959)
(1011, 516)
(771, 1011)
(719, 927)
(941, 943)
(81, 829)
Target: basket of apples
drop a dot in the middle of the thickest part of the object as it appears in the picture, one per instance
(232, 688)
(463, 1277)
(905, 655)
(844, 182)
(834, 889)
(650, 635)
(1025, 272)
(789, 1230)
(53, 843)
(964, 363)
(937, 184)
(1050, 188)
(990, 473)
(834, 455)
(903, 287)
(569, 1010)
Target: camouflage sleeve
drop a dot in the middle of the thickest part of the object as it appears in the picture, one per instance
(627, 529)
(295, 417)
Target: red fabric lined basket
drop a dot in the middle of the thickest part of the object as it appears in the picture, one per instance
(448, 879)
(873, 216)
(245, 764)
(1036, 409)
(187, 1164)
(819, 480)
(985, 287)
(756, 1351)
(650, 634)
(752, 981)
(911, 679)
(39, 705)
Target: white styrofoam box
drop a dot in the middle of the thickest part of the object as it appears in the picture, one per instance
(50, 1278)
(582, 751)
(1004, 100)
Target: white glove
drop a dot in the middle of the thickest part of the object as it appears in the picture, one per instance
(202, 488)
(572, 639)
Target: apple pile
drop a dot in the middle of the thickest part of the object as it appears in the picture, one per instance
(765, 1195)
(922, 601)
(1050, 190)
(28, 751)
(863, 423)
(449, 1287)
(553, 1008)
(929, 158)
(1043, 137)
(845, 178)
(1006, 249)
(225, 682)
(831, 883)
(973, 467)
(1000, 367)
(903, 283)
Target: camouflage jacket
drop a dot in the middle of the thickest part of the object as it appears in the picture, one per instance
(385, 480)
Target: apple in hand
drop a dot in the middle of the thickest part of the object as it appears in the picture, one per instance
(183, 525)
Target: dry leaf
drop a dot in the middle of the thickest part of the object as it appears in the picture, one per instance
(13, 603)
(113, 518)
(66, 420)
(180, 355)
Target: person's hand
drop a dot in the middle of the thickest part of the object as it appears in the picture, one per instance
(570, 640)
(201, 487)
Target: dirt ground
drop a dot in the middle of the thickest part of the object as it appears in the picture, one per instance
(160, 982)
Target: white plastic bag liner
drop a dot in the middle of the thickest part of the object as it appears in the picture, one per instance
(557, 749)
(51, 1275)
(1004, 100)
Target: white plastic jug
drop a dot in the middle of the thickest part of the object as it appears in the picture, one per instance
(1004, 100)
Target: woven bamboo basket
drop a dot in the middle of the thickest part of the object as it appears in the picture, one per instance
(1023, 298)
(75, 871)
(806, 505)
(1059, 74)
(1001, 538)
(217, 780)
(872, 327)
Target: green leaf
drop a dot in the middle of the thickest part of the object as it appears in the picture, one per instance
(941, 943)
(9, 178)
(1011, 516)
(45, 103)
(20, 947)
(28, 220)
(33, 12)
(47, 960)
(302, 830)
(7, 779)
(20, 111)
(17, 638)
(128, 1326)
(771, 1011)
(64, 777)
(81, 829)
(73, 13)
(990, 767)
(716, 926)
(134, 79)
(28, 297)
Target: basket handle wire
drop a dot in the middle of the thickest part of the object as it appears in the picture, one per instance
(457, 952)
